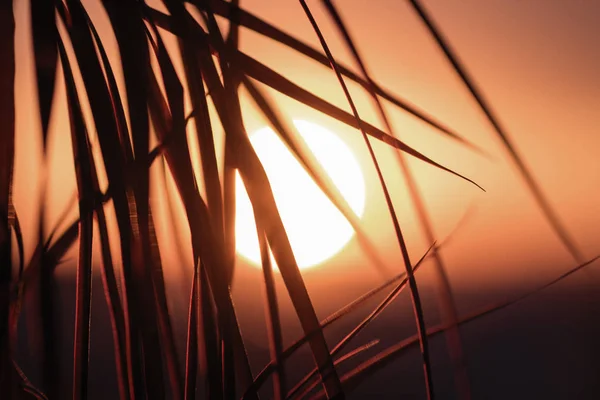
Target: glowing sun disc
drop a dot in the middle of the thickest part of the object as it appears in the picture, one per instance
(315, 227)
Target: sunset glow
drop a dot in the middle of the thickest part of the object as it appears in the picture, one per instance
(316, 229)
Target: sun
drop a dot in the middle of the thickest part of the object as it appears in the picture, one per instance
(316, 228)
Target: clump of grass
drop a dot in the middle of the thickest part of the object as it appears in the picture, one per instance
(146, 358)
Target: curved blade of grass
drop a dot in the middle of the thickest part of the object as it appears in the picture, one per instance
(27, 385)
(444, 292)
(412, 283)
(242, 17)
(163, 319)
(117, 313)
(231, 78)
(269, 77)
(44, 35)
(340, 360)
(272, 79)
(54, 252)
(499, 129)
(357, 351)
(7, 152)
(229, 173)
(229, 196)
(273, 321)
(113, 89)
(461, 222)
(191, 358)
(367, 368)
(82, 159)
(13, 221)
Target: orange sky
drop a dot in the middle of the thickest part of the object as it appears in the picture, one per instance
(536, 62)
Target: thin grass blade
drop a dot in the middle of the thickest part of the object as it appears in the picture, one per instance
(45, 35)
(191, 359)
(273, 321)
(271, 78)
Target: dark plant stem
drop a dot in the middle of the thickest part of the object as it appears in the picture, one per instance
(7, 152)
(274, 323)
(191, 359)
